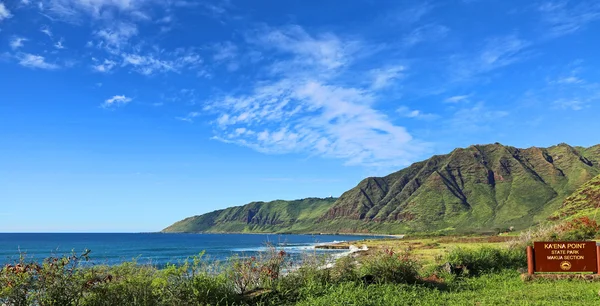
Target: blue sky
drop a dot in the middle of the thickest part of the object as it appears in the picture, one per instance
(128, 115)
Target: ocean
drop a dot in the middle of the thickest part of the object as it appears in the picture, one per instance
(156, 249)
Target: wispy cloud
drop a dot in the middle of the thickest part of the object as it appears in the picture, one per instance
(430, 32)
(566, 17)
(4, 12)
(410, 15)
(575, 104)
(116, 36)
(569, 80)
(76, 10)
(105, 66)
(35, 61)
(405, 111)
(315, 118)
(309, 111)
(224, 51)
(46, 30)
(189, 117)
(59, 45)
(116, 101)
(497, 52)
(383, 77)
(457, 99)
(325, 52)
(17, 42)
(149, 64)
(475, 118)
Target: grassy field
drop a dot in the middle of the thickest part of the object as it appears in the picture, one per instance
(504, 288)
(426, 250)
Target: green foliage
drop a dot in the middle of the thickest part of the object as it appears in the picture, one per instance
(476, 261)
(196, 282)
(582, 228)
(390, 266)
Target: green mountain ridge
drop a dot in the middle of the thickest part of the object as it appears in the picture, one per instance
(481, 187)
(583, 202)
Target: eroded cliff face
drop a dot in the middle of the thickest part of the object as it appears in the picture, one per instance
(483, 186)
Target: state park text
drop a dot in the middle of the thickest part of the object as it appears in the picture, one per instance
(571, 256)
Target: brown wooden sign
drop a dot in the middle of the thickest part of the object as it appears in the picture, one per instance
(565, 256)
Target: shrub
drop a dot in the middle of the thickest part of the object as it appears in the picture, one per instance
(262, 271)
(577, 229)
(486, 259)
(391, 267)
(344, 269)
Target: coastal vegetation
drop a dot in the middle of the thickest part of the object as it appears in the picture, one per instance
(457, 270)
(479, 189)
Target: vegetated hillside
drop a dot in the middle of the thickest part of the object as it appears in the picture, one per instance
(482, 187)
(479, 187)
(275, 216)
(583, 202)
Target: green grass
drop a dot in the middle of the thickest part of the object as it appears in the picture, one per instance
(505, 288)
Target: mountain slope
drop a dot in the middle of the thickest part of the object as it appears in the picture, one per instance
(481, 187)
(584, 202)
(274, 216)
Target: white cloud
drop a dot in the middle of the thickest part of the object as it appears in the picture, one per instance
(106, 66)
(563, 17)
(405, 111)
(304, 108)
(410, 15)
(224, 51)
(383, 77)
(149, 64)
(35, 61)
(475, 118)
(456, 99)
(116, 101)
(4, 12)
(314, 118)
(326, 52)
(497, 52)
(189, 117)
(430, 32)
(569, 80)
(17, 42)
(116, 36)
(501, 51)
(75, 10)
(574, 104)
(59, 45)
(46, 30)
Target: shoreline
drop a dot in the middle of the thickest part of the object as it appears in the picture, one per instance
(400, 236)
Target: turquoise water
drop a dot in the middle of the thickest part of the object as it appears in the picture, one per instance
(156, 249)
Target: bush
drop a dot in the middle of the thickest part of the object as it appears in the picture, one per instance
(577, 229)
(487, 259)
(391, 267)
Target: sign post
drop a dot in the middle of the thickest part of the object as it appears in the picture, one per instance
(563, 256)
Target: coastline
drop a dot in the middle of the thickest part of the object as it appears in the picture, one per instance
(400, 236)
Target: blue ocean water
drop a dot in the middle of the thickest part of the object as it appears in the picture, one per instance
(156, 249)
